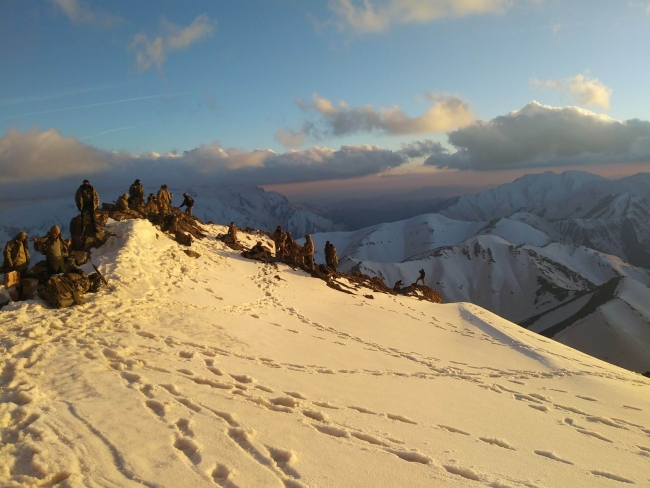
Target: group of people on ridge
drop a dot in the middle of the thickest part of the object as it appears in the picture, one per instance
(287, 250)
(161, 202)
(57, 250)
(52, 246)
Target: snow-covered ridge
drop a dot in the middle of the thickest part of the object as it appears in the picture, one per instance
(612, 216)
(220, 371)
(552, 195)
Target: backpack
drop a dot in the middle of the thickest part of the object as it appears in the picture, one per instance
(88, 195)
(65, 290)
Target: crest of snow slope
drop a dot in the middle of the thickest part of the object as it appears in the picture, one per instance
(222, 371)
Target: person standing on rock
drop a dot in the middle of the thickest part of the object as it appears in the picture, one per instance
(188, 202)
(136, 194)
(421, 278)
(55, 250)
(307, 252)
(16, 254)
(232, 233)
(279, 237)
(164, 199)
(327, 252)
(331, 256)
(87, 200)
(289, 249)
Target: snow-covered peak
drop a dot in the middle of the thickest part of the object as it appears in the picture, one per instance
(547, 194)
(412, 238)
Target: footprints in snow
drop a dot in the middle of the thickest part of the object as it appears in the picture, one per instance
(189, 448)
(284, 403)
(497, 442)
(550, 455)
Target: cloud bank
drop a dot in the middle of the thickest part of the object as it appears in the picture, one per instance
(153, 52)
(447, 112)
(539, 135)
(44, 163)
(373, 16)
(584, 91)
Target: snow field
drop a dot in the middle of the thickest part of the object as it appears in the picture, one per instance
(220, 371)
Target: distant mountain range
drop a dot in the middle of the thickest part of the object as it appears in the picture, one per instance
(574, 207)
(563, 254)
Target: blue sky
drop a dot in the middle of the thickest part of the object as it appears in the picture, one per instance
(233, 71)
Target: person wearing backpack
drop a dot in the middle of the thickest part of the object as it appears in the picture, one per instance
(187, 202)
(87, 200)
(279, 237)
(16, 254)
(307, 252)
(55, 250)
(164, 200)
(136, 194)
(331, 256)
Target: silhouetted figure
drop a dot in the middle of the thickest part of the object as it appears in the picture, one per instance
(421, 278)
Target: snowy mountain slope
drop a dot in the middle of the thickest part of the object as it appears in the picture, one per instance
(551, 195)
(223, 371)
(246, 206)
(478, 262)
(610, 322)
(622, 232)
(417, 236)
(514, 282)
(255, 207)
(574, 208)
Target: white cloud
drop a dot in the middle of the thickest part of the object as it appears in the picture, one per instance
(79, 12)
(447, 112)
(584, 91)
(368, 16)
(153, 52)
(44, 163)
(181, 38)
(539, 135)
(290, 138)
